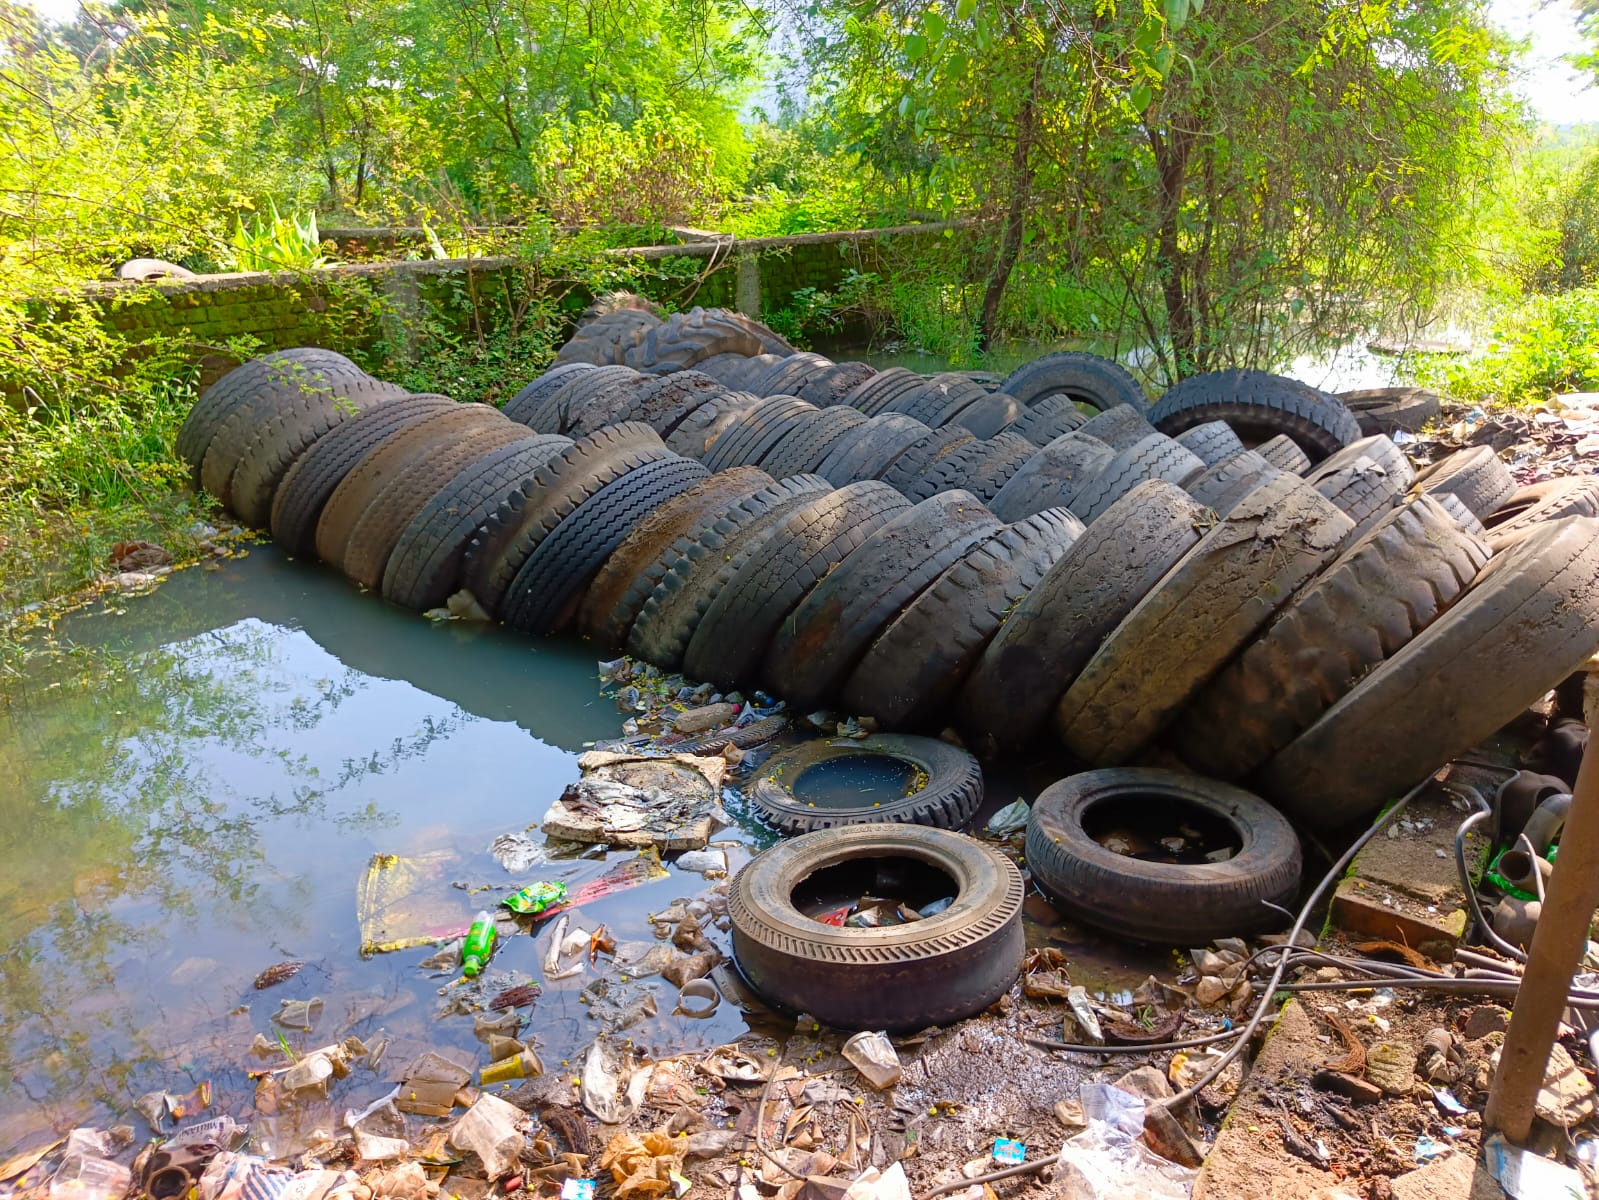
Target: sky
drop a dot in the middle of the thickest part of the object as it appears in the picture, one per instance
(1556, 93)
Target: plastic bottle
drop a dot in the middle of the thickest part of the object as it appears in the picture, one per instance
(479, 944)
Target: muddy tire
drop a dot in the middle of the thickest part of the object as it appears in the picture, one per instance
(1363, 490)
(1156, 457)
(1379, 448)
(528, 401)
(994, 412)
(1229, 481)
(280, 442)
(1388, 410)
(1358, 613)
(1211, 442)
(700, 564)
(699, 431)
(938, 400)
(378, 530)
(399, 454)
(544, 596)
(904, 978)
(756, 432)
(722, 367)
(1464, 517)
(1053, 476)
(881, 390)
(1120, 428)
(1530, 619)
(739, 371)
(986, 475)
(805, 545)
(1284, 453)
(922, 453)
(563, 407)
(951, 785)
(806, 446)
(620, 589)
(1086, 379)
(869, 450)
(665, 403)
(1533, 505)
(1198, 616)
(525, 517)
(1164, 904)
(1482, 482)
(304, 491)
(786, 375)
(1258, 406)
(302, 369)
(908, 675)
(1042, 646)
(950, 470)
(424, 568)
(821, 641)
(684, 339)
(829, 387)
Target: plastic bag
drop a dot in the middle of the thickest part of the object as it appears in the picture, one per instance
(1121, 1110)
(491, 1129)
(1104, 1163)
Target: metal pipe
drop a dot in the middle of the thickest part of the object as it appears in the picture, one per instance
(1546, 821)
(1555, 953)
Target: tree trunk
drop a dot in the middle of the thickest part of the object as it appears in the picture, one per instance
(1010, 242)
(1171, 151)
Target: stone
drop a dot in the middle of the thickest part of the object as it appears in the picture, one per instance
(1483, 1020)
(1392, 1067)
(1147, 1083)
(1455, 1176)
(1351, 1088)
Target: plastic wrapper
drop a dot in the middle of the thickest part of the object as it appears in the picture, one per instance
(1104, 1163)
(493, 1130)
(246, 1177)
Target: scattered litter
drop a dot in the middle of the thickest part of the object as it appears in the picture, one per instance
(518, 853)
(1525, 1176)
(430, 1084)
(535, 898)
(400, 902)
(1009, 1151)
(710, 863)
(492, 1129)
(874, 1056)
(1010, 819)
(644, 1165)
(1083, 1014)
(577, 1189)
(698, 998)
(301, 1015)
(671, 803)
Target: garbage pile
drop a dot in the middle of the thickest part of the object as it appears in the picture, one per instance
(1309, 615)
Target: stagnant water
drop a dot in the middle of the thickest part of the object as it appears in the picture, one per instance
(200, 799)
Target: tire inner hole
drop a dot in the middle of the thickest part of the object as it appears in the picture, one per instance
(1161, 829)
(878, 885)
(857, 781)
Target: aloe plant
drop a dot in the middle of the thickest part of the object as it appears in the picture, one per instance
(275, 243)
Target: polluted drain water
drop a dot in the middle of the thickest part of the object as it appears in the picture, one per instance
(192, 809)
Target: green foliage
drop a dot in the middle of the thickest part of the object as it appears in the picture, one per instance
(1541, 347)
(1564, 206)
(275, 243)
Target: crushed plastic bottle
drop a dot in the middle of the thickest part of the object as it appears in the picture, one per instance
(479, 945)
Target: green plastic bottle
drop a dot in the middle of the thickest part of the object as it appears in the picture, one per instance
(479, 944)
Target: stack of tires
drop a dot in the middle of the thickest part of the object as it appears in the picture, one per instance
(1307, 615)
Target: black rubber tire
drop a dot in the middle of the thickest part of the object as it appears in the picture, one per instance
(1388, 410)
(951, 792)
(1052, 476)
(1363, 490)
(397, 455)
(1202, 612)
(377, 532)
(1530, 620)
(722, 367)
(543, 597)
(829, 387)
(994, 412)
(620, 589)
(958, 467)
(278, 445)
(1212, 441)
(526, 516)
(821, 641)
(424, 569)
(807, 445)
(1531, 506)
(804, 546)
(869, 450)
(700, 430)
(1156, 457)
(1120, 428)
(987, 474)
(877, 393)
(1087, 379)
(1379, 594)
(1229, 481)
(528, 401)
(280, 368)
(908, 675)
(787, 374)
(1049, 419)
(1049, 637)
(699, 565)
(1164, 904)
(666, 402)
(1482, 482)
(1379, 448)
(555, 413)
(244, 425)
(303, 493)
(745, 371)
(1463, 516)
(596, 402)
(756, 432)
(901, 979)
(922, 453)
(1284, 453)
(686, 339)
(939, 400)
(1259, 405)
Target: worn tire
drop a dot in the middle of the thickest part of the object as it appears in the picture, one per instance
(305, 488)
(1211, 442)
(1531, 506)
(1388, 410)
(624, 583)
(1199, 615)
(807, 445)
(953, 790)
(1284, 453)
(1048, 419)
(1156, 457)
(821, 641)
(1165, 904)
(527, 401)
(1044, 643)
(920, 660)
(666, 402)
(881, 390)
(868, 450)
(1052, 476)
(786, 375)
(987, 474)
(699, 431)
(1379, 448)
(686, 339)
(1230, 480)
(1120, 428)
(956, 467)
(805, 545)
(829, 387)
(544, 596)
(424, 568)
(922, 453)
(1530, 620)
(1482, 482)
(1087, 379)
(900, 979)
(700, 564)
(563, 407)
(297, 368)
(1359, 612)
(1363, 490)
(1258, 406)
(939, 400)
(756, 432)
(1463, 516)
(987, 416)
